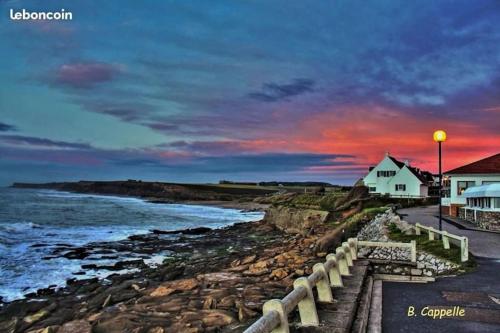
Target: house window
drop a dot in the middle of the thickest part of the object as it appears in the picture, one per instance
(400, 187)
(463, 185)
(496, 202)
(385, 173)
(372, 189)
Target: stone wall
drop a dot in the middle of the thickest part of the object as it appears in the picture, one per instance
(427, 264)
(488, 220)
(397, 260)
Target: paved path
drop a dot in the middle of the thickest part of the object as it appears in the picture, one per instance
(481, 244)
(477, 292)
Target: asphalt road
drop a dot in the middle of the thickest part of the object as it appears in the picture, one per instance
(478, 293)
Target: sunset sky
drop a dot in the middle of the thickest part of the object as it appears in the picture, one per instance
(198, 91)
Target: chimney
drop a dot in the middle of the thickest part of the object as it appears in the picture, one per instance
(407, 163)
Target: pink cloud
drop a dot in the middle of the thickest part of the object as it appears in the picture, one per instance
(86, 75)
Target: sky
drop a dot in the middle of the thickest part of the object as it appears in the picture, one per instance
(199, 91)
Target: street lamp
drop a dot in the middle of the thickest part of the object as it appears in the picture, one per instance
(440, 136)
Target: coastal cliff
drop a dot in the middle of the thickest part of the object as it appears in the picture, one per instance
(295, 220)
(156, 191)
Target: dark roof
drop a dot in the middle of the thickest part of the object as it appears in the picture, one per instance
(419, 174)
(398, 163)
(486, 165)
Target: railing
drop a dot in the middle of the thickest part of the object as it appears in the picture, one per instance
(461, 241)
(324, 276)
(411, 245)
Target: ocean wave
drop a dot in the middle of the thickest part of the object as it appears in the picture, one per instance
(18, 226)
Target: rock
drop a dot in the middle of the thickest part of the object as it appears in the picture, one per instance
(162, 291)
(76, 326)
(248, 260)
(240, 268)
(216, 318)
(227, 302)
(296, 221)
(256, 272)
(36, 316)
(260, 264)
(157, 329)
(245, 314)
(107, 301)
(217, 277)
(416, 271)
(48, 329)
(209, 303)
(279, 273)
(176, 285)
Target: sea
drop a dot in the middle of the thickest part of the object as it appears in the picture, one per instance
(33, 222)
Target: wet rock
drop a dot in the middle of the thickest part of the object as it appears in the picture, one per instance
(279, 273)
(79, 253)
(244, 314)
(248, 260)
(191, 231)
(76, 326)
(176, 285)
(217, 318)
(39, 314)
(9, 325)
(209, 303)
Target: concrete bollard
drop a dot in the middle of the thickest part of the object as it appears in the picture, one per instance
(307, 307)
(353, 244)
(431, 233)
(348, 255)
(413, 251)
(277, 305)
(446, 240)
(323, 285)
(342, 262)
(334, 271)
(464, 249)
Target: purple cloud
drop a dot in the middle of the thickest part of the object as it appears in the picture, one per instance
(85, 75)
(272, 92)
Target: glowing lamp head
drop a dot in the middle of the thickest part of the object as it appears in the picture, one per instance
(439, 136)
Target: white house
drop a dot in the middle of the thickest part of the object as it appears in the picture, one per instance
(458, 180)
(398, 179)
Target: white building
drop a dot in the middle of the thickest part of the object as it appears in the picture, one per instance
(398, 179)
(482, 206)
(482, 172)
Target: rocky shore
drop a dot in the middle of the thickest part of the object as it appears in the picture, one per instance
(210, 279)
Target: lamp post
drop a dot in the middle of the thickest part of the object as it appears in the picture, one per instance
(440, 136)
